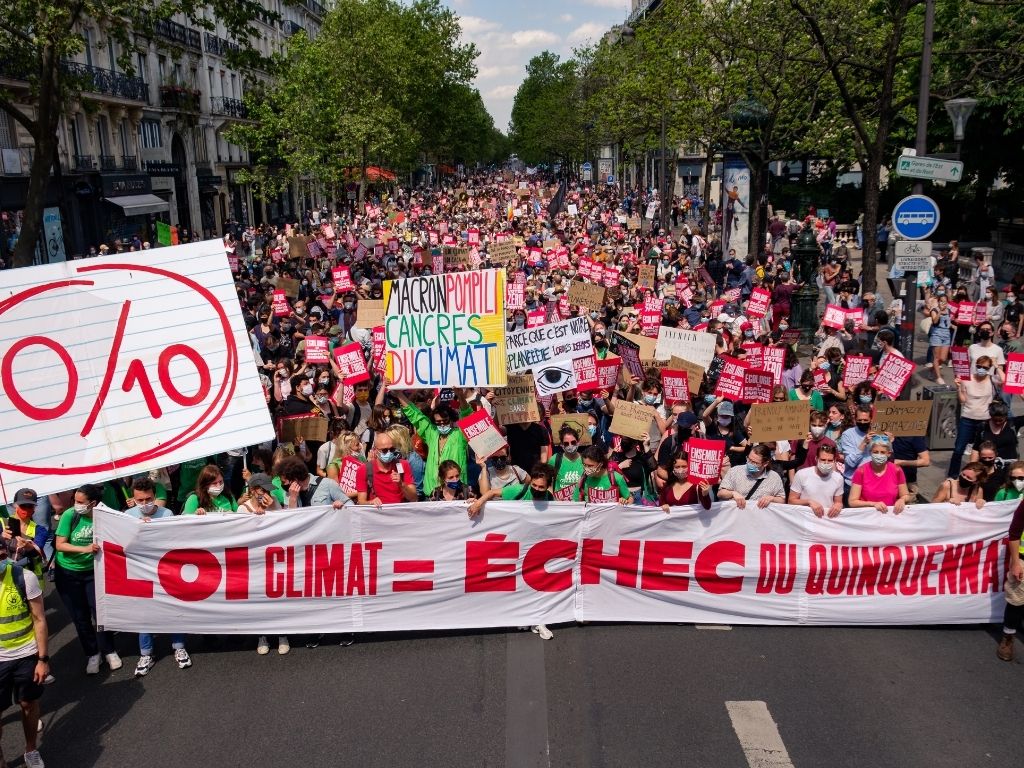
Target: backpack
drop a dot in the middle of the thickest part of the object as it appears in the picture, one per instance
(18, 575)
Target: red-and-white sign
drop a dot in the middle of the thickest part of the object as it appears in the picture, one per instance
(535, 318)
(821, 379)
(1014, 374)
(754, 354)
(961, 362)
(584, 370)
(281, 307)
(706, 458)
(317, 352)
(676, 385)
(835, 316)
(856, 370)
(352, 363)
(608, 372)
(342, 277)
(377, 354)
(730, 382)
(773, 360)
(893, 375)
(515, 295)
(757, 386)
(759, 304)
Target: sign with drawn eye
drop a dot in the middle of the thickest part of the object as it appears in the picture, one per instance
(541, 348)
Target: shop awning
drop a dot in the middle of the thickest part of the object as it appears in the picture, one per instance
(137, 205)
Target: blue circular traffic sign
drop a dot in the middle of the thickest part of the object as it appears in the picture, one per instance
(915, 217)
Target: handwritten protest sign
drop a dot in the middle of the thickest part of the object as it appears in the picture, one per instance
(576, 421)
(555, 378)
(482, 434)
(317, 352)
(539, 348)
(779, 421)
(501, 252)
(757, 386)
(1014, 374)
(456, 258)
(893, 375)
(587, 295)
(696, 346)
(307, 427)
(631, 419)
(446, 330)
(856, 370)
(676, 386)
(706, 457)
(351, 362)
(907, 418)
(131, 389)
(289, 285)
(645, 275)
(516, 403)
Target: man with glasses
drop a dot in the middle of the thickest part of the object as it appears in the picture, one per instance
(753, 482)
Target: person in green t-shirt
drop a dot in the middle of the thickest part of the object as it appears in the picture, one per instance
(117, 493)
(75, 579)
(567, 465)
(210, 494)
(538, 489)
(601, 485)
(1013, 488)
(188, 473)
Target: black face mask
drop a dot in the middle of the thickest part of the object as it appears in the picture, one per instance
(538, 495)
(988, 462)
(984, 335)
(500, 462)
(965, 484)
(863, 426)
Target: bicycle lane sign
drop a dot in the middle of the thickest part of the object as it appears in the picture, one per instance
(915, 217)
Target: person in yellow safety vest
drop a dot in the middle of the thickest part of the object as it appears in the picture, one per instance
(24, 663)
(23, 536)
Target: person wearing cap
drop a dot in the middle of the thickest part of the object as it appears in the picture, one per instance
(27, 543)
(24, 659)
(261, 500)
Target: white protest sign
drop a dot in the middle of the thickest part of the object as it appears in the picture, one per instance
(537, 348)
(696, 346)
(120, 364)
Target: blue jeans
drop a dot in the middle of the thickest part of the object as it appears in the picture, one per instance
(966, 433)
(146, 643)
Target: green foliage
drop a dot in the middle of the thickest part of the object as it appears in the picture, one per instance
(549, 122)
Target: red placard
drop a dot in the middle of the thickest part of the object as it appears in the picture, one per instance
(473, 236)
(585, 268)
(378, 251)
(773, 359)
(379, 344)
(317, 351)
(980, 313)
(893, 375)
(585, 371)
(676, 385)
(437, 264)
(856, 370)
(835, 316)
(608, 372)
(821, 379)
(535, 318)
(612, 276)
(759, 304)
(281, 306)
(352, 363)
(965, 313)
(563, 307)
(393, 245)
(732, 295)
(961, 362)
(515, 295)
(482, 433)
(650, 321)
(342, 277)
(597, 272)
(755, 354)
(790, 336)
(1014, 374)
(233, 262)
(706, 458)
(352, 475)
(757, 386)
(730, 383)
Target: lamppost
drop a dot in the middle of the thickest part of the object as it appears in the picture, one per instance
(959, 111)
(621, 33)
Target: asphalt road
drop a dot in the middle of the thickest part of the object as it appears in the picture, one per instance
(595, 695)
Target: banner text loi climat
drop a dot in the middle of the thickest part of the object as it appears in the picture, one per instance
(428, 566)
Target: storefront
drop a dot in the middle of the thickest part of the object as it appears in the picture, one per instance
(129, 208)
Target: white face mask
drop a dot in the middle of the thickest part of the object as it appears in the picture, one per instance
(1019, 484)
(216, 490)
(307, 390)
(826, 467)
(147, 508)
(81, 509)
(817, 431)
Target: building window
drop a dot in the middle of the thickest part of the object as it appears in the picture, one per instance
(8, 136)
(149, 134)
(161, 64)
(141, 68)
(87, 34)
(76, 141)
(111, 54)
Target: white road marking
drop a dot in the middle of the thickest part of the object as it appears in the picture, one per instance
(526, 704)
(759, 736)
(722, 627)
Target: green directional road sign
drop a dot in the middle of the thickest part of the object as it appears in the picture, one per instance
(929, 168)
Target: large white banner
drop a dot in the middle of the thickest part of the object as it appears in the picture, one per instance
(121, 364)
(540, 348)
(428, 566)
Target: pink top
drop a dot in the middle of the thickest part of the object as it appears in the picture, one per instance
(884, 488)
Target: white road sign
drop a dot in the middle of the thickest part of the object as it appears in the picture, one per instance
(929, 168)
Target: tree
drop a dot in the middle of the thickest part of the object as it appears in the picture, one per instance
(40, 36)
(548, 122)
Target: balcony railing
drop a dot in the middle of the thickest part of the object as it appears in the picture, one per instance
(108, 163)
(289, 27)
(225, 105)
(129, 163)
(314, 8)
(97, 80)
(173, 32)
(219, 46)
(83, 163)
(177, 97)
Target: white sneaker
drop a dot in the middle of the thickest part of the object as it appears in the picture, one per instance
(262, 646)
(92, 666)
(114, 661)
(282, 645)
(181, 656)
(543, 631)
(145, 664)
(33, 760)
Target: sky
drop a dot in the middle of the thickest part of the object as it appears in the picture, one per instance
(508, 33)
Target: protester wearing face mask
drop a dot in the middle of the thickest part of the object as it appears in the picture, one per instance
(567, 464)
(1013, 487)
(986, 346)
(880, 483)
(677, 489)
(388, 473)
(975, 395)
(444, 439)
(820, 486)
(966, 487)
(450, 485)
(299, 401)
(636, 462)
(210, 494)
(601, 485)
(501, 473)
(75, 578)
(855, 444)
(538, 489)
(816, 437)
(753, 481)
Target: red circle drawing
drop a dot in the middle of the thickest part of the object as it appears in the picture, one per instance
(164, 372)
(206, 420)
(23, 405)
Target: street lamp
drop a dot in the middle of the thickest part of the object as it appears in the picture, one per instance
(959, 111)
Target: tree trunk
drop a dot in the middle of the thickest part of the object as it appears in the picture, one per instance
(705, 211)
(756, 235)
(869, 256)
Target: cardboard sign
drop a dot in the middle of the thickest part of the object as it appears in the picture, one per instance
(296, 247)
(696, 346)
(482, 433)
(760, 303)
(369, 313)
(780, 421)
(307, 427)
(694, 373)
(903, 418)
(706, 457)
(351, 363)
(587, 295)
(631, 419)
(317, 352)
(280, 304)
(1014, 374)
(517, 402)
(893, 375)
(645, 275)
(578, 421)
(446, 330)
(676, 386)
(539, 349)
(961, 362)
(856, 370)
(456, 259)
(633, 223)
(730, 382)
(289, 286)
(502, 252)
(342, 278)
(757, 386)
